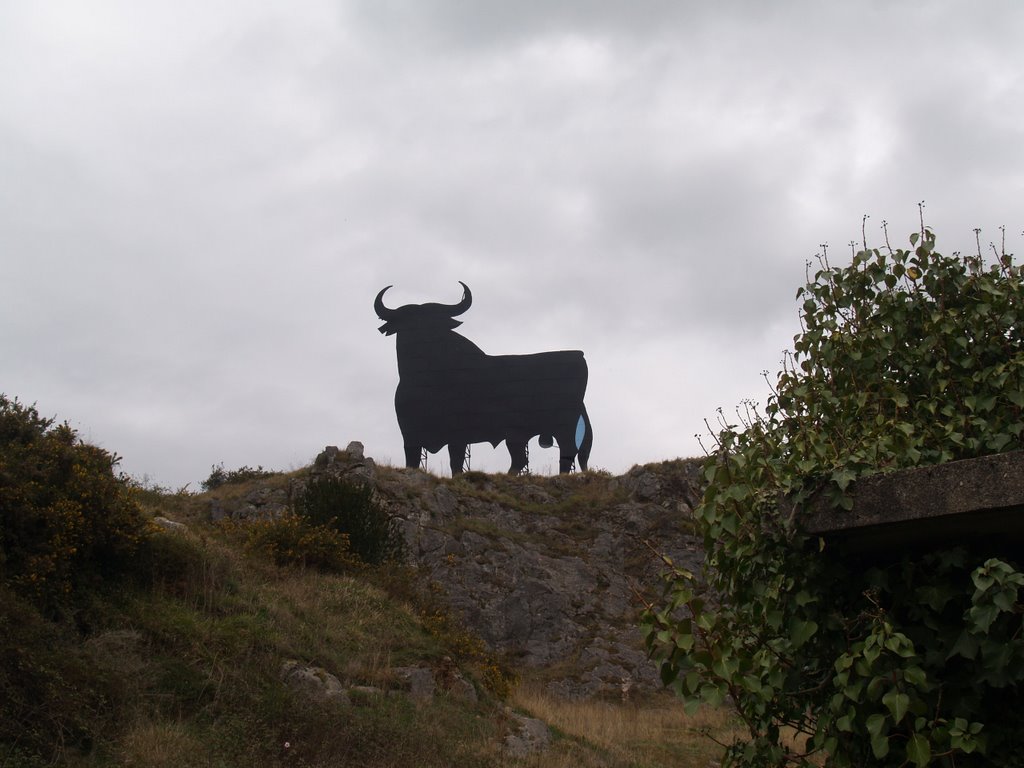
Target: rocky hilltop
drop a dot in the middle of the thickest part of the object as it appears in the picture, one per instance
(544, 569)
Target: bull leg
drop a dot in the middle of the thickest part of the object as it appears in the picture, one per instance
(517, 452)
(457, 453)
(566, 451)
(587, 442)
(412, 456)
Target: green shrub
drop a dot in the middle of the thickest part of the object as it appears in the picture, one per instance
(220, 476)
(54, 700)
(906, 358)
(67, 519)
(350, 509)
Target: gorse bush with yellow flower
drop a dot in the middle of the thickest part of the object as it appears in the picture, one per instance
(67, 519)
(294, 540)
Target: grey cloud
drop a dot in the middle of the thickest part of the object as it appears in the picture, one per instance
(198, 203)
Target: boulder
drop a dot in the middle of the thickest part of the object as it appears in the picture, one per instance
(315, 682)
(418, 682)
(528, 736)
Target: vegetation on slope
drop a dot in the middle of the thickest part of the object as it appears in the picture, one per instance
(122, 643)
(139, 646)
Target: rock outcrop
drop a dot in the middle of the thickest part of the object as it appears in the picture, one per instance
(527, 736)
(548, 569)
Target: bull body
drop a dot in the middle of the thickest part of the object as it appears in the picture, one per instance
(451, 393)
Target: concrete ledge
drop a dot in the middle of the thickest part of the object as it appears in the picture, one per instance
(971, 501)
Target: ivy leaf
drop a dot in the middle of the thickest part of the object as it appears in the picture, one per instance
(982, 616)
(801, 631)
(898, 704)
(915, 676)
(875, 723)
(880, 746)
(966, 645)
(1005, 599)
(919, 751)
(843, 477)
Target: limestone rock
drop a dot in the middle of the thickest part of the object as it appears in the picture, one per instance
(264, 501)
(642, 483)
(170, 525)
(461, 689)
(418, 682)
(528, 736)
(451, 681)
(315, 682)
(544, 568)
(351, 463)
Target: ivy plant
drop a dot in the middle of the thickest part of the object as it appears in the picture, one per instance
(906, 357)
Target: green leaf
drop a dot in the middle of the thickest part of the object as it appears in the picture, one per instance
(875, 723)
(692, 681)
(898, 704)
(843, 477)
(1005, 599)
(981, 617)
(801, 631)
(915, 676)
(919, 751)
(880, 746)
(712, 694)
(966, 645)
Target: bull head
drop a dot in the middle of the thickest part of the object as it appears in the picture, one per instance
(413, 316)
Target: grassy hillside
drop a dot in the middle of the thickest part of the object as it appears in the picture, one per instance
(185, 669)
(155, 647)
(180, 666)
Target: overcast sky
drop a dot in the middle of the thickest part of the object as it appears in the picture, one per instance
(200, 200)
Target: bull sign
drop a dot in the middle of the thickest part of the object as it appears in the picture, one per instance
(451, 393)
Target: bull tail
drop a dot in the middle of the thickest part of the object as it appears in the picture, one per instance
(584, 438)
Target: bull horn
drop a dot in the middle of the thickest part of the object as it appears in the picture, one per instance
(378, 306)
(462, 306)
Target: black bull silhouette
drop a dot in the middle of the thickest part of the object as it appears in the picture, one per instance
(451, 393)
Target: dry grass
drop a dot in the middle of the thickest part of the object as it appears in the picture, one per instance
(341, 617)
(165, 744)
(654, 734)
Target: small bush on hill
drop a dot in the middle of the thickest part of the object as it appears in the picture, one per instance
(350, 509)
(906, 358)
(335, 525)
(220, 476)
